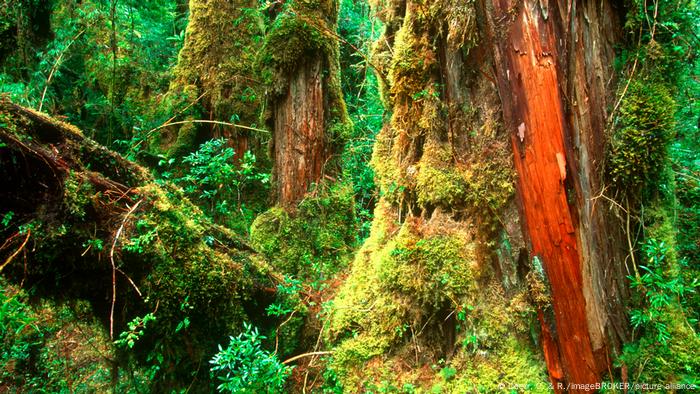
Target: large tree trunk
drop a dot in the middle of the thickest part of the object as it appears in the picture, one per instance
(307, 111)
(469, 83)
(554, 70)
(300, 148)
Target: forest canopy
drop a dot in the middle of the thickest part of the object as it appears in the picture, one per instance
(349, 196)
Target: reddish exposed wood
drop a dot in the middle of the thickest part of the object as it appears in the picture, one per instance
(300, 150)
(551, 352)
(531, 56)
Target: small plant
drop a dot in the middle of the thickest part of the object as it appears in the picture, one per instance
(217, 182)
(287, 298)
(245, 367)
(660, 288)
(135, 332)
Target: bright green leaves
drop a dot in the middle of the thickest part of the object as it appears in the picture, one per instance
(217, 181)
(135, 331)
(245, 367)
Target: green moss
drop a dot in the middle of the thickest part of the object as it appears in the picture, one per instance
(316, 239)
(77, 194)
(509, 363)
(293, 40)
(403, 279)
(643, 130)
(431, 269)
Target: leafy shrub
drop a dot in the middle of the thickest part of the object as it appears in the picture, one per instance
(661, 288)
(244, 367)
(214, 180)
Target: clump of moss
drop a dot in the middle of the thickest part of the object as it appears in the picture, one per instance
(406, 282)
(643, 130)
(317, 238)
(290, 43)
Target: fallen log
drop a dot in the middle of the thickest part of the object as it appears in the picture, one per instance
(80, 222)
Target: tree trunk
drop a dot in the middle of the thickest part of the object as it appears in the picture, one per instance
(300, 147)
(307, 110)
(215, 72)
(469, 84)
(554, 73)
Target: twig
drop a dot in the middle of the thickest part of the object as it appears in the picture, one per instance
(289, 360)
(209, 121)
(131, 281)
(55, 67)
(13, 255)
(114, 268)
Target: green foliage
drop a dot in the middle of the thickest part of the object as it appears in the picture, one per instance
(244, 367)
(217, 182)
(662, 286)
(48, 347)
(135, 331)
(100, 67)
(358, 27)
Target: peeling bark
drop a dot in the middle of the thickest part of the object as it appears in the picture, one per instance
(554, 67)
(300, 150)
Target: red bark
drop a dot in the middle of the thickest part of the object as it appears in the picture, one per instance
(557, 146)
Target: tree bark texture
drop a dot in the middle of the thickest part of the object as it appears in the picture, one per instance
(554, 64)
(533, 78)
(300, 150)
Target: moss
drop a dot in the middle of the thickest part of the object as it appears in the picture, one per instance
(315, 240)
(214, 77)
(431, 269)
(292, 40)
(406, 281)
(49, 346)
(77, 194)
(180, 266)
(510, 363)
(643, 130)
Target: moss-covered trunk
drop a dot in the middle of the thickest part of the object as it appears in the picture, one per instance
(307, 111)
(214, 79)
(488, 98)
(83, 223)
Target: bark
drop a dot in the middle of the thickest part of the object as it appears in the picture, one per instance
(472, 82)
(307, 111)
(554, 64)
(299, 138)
